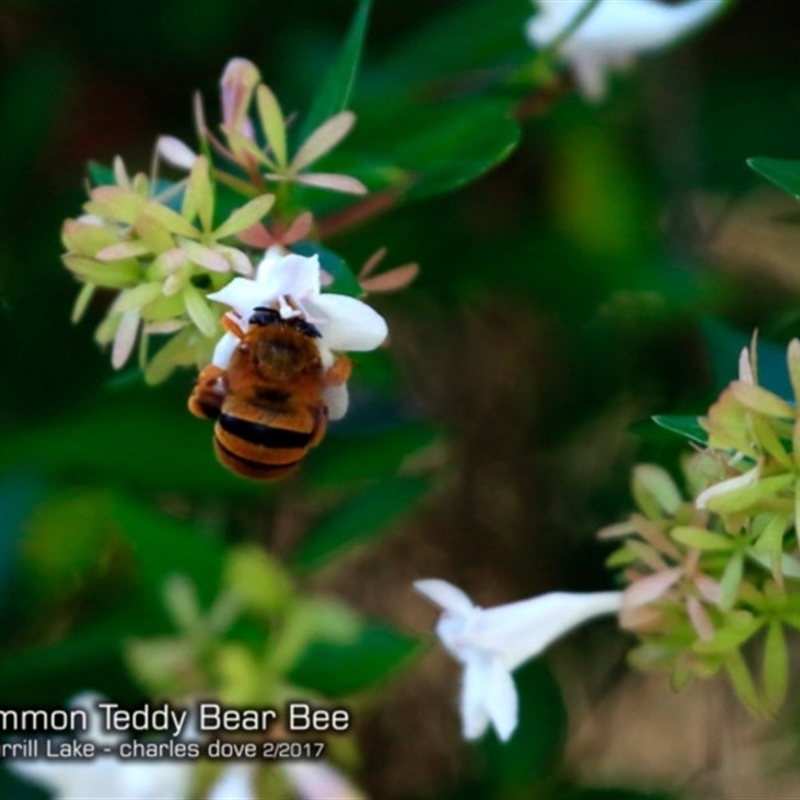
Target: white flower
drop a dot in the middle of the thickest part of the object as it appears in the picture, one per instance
(310, 780)
(614, 33)
(291, 283)
(491, 643)
(318, 780)
(106, 777)
(236, 782)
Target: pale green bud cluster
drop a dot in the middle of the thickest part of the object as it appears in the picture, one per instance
(161, 262)
(714, 581)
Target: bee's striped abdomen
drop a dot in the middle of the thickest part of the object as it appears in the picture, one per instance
(257, 450)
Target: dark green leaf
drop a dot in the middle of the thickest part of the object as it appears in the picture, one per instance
(349, 459)
(127, 442)
(785, 174)
(100, 174)
(334, 93)
(683, 425)
(163, 546)
(725, 343)
(362, 517)
(450, 146)
(344, 282)
(341, 669)
(532, 753)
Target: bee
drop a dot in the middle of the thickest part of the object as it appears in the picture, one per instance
(268, 405)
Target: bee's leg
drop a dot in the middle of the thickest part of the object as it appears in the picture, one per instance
(206, 398)
(339, 372)
(321, 426)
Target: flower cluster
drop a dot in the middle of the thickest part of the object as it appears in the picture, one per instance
(707, 575)
(204, 660)
(169, 250)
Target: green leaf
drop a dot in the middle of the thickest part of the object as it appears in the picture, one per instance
(334, 93)
(743, 684)
(131, 442)
(452, 145)
(100, 174)
(684, 425)
(533, 751)
(364, 516)
(348, 459)
(344, 281)
(701, 538)
(776, 667)
(341, 669)
(783, 173)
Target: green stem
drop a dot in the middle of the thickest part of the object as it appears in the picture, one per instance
(544, 58)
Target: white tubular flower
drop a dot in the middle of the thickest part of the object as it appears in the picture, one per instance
(491, 643)
(105, 777)
(291, 283)
(318, 780)
(614, 33)
(236, 782)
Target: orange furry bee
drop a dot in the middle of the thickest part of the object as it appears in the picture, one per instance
(268, 405)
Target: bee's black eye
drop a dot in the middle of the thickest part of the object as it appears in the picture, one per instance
(307, 328)
(264, 316)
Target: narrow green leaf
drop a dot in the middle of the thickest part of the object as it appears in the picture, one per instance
(783, 173)
(701, 538)
(364, 516)
(729, 583)
(334, 93)
(743, 683)
(683, 425)
(776, 667)
(100, 174)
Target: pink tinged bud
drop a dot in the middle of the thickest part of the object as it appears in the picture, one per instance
(337, 183)
(649, 589)
(700, 620)
(239, 80)
(124, 338)
(745, 369)
(394, 279)
(709, 588)
(257, 236)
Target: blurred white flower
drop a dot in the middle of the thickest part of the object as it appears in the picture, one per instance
(291, 283)
(491, 643)
(105, 777)
(236, 782)
(614, 33)
(318, 780)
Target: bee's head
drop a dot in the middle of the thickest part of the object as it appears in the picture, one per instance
(270, 316)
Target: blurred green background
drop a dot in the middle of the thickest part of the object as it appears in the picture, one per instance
(608, 270)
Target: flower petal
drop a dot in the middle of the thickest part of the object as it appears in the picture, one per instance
(315, 780)
(445, 595)
(175, 152)
(502, 701)
(350, 324)
(224, 349)
(474, 691)
(235, 783)
(337, 400)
